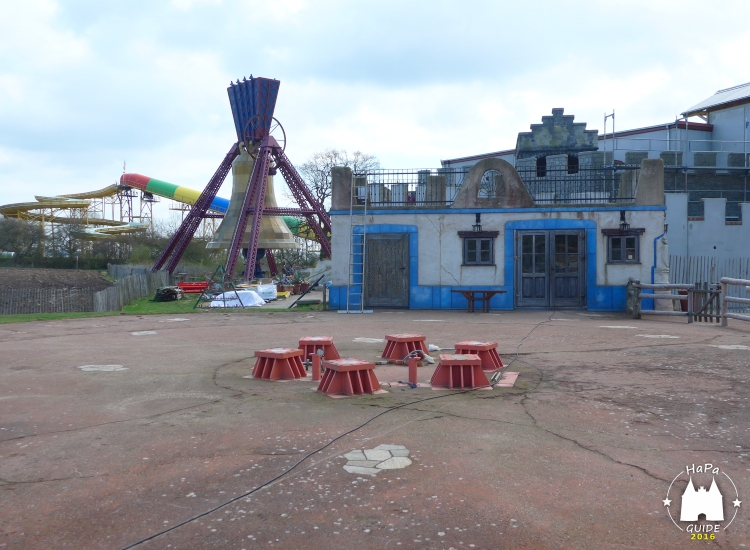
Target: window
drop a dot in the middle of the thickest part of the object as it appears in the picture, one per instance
(541, 167)
(624, 249)
(572, 164)
(478, 252)
(478, 247)
(492, 185)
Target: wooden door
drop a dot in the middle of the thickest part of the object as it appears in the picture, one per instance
(387, 270)
(568, 271)
(532, 280)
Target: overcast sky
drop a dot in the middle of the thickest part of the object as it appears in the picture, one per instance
(86, 85)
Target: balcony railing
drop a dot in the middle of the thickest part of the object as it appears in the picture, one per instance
(425, 188)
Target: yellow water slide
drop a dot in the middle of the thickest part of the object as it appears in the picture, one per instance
(53, 209)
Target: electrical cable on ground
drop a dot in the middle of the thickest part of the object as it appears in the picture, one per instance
(496, 377)
(331, 442)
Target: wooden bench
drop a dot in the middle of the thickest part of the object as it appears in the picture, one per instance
(478, 295)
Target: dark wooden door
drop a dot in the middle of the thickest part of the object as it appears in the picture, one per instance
(567, 273)
(550, 269)
(532, 271)
(387, 270)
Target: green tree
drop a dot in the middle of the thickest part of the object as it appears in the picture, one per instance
(23, 237)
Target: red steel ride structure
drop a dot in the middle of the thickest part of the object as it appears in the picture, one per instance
(253, 101)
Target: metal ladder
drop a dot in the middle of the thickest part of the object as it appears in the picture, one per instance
(357, 250)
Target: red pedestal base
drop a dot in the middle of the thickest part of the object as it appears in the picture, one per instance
(460, 372)
(487, 352)
(348, 377)
(311, 344)
(398, 346)
(279, 364)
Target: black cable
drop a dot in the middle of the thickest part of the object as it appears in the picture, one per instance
(496, 377)
(331, 442)
(288, 470)
(518, 347)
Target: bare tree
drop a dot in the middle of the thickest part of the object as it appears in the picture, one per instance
(317, 170)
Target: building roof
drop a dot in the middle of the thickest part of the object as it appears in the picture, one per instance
(681, 124)
(722, 98)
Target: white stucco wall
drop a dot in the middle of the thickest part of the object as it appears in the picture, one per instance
(440, 253)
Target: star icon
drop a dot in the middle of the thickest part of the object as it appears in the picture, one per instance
(736, 503)
(667, 502)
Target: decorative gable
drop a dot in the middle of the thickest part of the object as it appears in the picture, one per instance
(556, 135)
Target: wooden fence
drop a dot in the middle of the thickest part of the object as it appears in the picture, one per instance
(704, 269)
(659, 292)
(67, 300)
(726, 284)
(128, 290)
(702, 302)
(45, 300)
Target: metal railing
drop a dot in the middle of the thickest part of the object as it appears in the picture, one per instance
(439, 187)
(409, 187)
(677, 145)
(579, 184)
(709, 182)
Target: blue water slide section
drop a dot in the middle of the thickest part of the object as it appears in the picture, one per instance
(219, 205)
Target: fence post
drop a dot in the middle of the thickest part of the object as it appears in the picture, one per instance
(690, 303)
(724, 304)
(637, 305)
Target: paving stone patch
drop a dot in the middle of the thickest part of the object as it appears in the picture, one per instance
(373, 461)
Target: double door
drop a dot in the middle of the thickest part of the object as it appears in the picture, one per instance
(550, 268)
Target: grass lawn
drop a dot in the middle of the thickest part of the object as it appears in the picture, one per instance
(145, 306)
(23, 317)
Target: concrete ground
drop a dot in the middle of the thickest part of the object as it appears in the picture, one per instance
(579, 454)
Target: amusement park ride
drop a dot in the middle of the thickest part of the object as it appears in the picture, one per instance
(252, 222)
(260, 154)
(102, 214)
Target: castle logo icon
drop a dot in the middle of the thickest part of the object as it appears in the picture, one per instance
(702, 512)
(694, 503)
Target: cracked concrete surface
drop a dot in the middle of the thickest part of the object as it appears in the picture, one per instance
(578, 454)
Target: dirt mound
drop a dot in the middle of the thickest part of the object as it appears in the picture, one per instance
(18, 278)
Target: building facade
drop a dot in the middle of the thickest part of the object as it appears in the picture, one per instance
(494, 235)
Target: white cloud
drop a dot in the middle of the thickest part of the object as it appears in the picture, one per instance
(85, 86)
(187, 5)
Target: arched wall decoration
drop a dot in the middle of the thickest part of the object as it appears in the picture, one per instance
(492, 185)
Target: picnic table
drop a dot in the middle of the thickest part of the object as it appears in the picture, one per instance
(472, 296)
